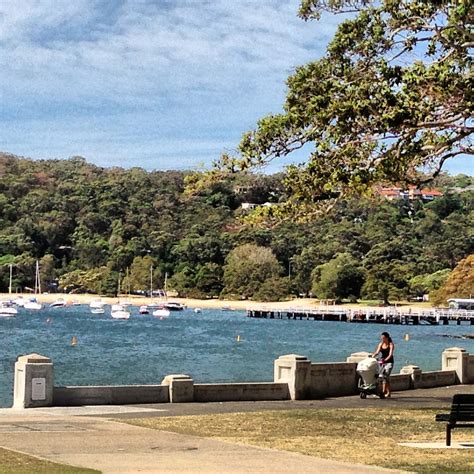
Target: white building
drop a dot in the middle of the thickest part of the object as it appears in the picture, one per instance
(461, 303)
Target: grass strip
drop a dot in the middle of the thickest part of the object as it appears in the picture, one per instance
(367, 436)
(12, 462)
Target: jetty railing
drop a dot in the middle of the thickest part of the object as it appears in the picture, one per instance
(382, 315)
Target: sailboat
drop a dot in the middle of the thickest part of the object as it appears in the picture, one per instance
(171, 305)
(32, 303)
(6, 309)
(160, 311)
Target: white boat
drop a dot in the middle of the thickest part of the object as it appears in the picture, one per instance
(143, 310)
(33, 305)
(117, 307)
(20, 301)
(174, 306)
(96, 304)
(59, 303)
(161, 313)
(7, 311)
(97, 310)
(197, 310)
(120, 314)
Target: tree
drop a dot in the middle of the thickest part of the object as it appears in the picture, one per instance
(424, 284)
(247, 268)
(339, 278)
(460, 284)
(139, 275)
(273, 289)
(393, 94)
(208, 280)
(94, 280)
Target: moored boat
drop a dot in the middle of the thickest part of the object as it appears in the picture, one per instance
(161, 313)
(59, 303)
(97, 310)
(143, 310)
(33, 305)
(121, 314)
(174, 306)
(7, 311)
(96, 304)
(20, 301)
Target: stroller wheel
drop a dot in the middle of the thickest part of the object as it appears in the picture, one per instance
(363, 395)
(382, 395)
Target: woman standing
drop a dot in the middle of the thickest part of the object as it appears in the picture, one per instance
(386, 349)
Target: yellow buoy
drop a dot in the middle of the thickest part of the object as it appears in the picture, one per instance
(73, 341)
(407, 337)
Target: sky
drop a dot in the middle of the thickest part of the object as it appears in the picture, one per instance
(159, 84)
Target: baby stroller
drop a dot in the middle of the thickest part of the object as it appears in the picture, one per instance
(370, 375)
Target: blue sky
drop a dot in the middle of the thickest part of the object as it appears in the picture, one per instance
(158, 84)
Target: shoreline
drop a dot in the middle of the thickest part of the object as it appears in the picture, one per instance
(242, 305)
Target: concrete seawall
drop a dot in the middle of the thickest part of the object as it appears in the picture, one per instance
(295, 378)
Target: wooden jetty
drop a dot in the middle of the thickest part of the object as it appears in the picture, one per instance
(390, 315)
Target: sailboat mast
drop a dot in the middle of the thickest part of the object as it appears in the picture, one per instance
(37, 279)
(151, 282)
(11, 277)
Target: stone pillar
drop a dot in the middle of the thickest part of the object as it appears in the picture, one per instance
(296, 371)
(415, 375)
(456, 358)
(357, 357)
(181, 388)
(33, 386)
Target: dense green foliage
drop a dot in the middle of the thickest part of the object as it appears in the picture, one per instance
(90, 227)
(392, 95)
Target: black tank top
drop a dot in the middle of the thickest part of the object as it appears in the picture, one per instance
(385, 352)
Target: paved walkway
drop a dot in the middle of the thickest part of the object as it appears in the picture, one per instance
(94, 437)
(113, 447)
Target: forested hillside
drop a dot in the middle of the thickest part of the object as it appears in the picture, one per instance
(90, 226)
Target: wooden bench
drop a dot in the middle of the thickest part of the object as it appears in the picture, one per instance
(461, 415)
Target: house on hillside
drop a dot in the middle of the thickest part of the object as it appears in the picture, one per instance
(410, 194)
(247, 206)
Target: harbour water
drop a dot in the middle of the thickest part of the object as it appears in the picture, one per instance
(211, 346)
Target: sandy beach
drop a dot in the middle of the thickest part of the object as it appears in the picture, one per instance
(135, 300)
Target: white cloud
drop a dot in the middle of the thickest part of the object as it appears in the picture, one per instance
(197, 44)
(193, 68)
(21, 20)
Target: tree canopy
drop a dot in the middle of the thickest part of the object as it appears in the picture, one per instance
(390, 101)
(91, 227)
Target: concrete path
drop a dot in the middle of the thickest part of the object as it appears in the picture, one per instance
(93, 437)
(113, 447)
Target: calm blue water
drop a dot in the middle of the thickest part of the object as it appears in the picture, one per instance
(144, 349)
